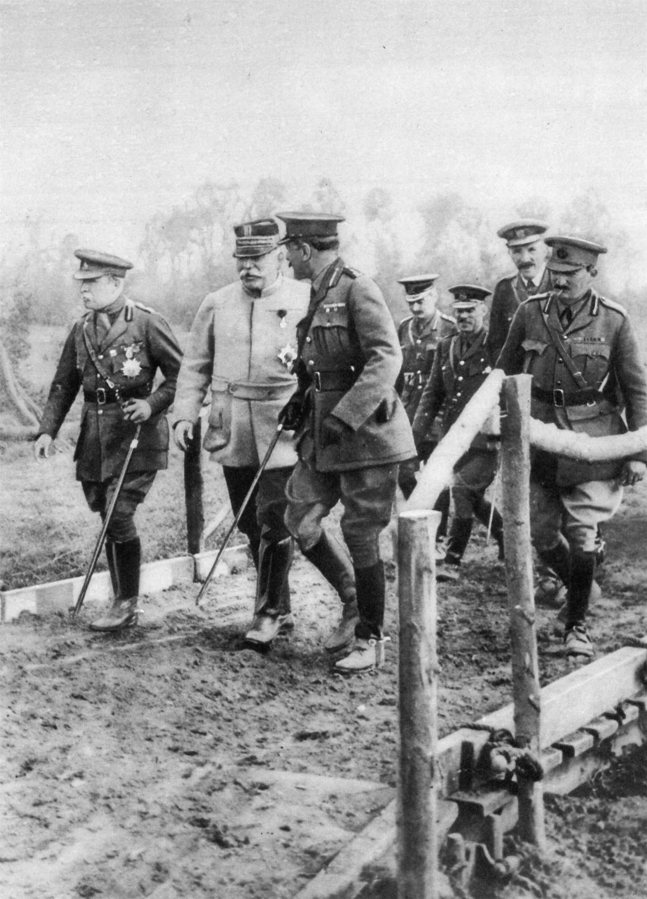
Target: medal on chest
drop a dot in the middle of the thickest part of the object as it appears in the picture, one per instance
(131, 366)
(288, 356)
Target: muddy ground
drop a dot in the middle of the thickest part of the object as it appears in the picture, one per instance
(171, 761)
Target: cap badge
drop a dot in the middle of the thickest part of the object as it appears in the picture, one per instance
(561, 253)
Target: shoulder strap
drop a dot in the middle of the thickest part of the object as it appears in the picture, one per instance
(559, 345)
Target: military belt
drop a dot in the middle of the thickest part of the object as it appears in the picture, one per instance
(249, 391)
(334, 380)
(103, 396)
(559, 397)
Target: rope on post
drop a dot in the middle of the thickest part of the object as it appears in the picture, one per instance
(418, 670)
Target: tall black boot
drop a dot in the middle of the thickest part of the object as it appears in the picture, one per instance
(112, 568)
(272, 613)
(459, 536)
(123, 611)
(559, 560)
(582, 576)
(368, 648)
(333, 562)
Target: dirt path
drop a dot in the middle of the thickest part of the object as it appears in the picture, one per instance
(171, 761)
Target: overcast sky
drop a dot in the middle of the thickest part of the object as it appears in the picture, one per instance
(112, 111)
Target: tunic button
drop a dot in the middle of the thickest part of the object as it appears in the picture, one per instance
(460, 377)
(312, 362)
(462, 362)
(101, 356)
(308, 339)
(99, 411)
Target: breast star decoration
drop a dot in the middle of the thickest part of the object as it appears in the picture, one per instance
(288, 356)
(131, 366)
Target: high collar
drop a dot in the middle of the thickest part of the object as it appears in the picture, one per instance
(267, 291)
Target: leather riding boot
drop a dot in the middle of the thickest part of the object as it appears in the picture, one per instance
(112, 567)
(333, 562)
(581, 583)
(371, 592)
(123, 611)
(272, 608)
(559, 560)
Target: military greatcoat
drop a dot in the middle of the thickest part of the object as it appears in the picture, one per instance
(244, 349)
(508, 294)
(418, 342)
(139, 343)
(602, 345)
(349, 362)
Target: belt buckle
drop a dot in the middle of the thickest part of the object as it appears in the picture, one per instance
(558, 396)
(231, 387)
(318, 381)
(101, 396)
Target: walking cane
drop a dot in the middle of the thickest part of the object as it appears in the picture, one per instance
(106, 522)
(239, 514)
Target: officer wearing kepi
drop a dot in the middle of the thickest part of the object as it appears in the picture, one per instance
(243, 346)
(527, 249)
(351, 431)
(588, 376)
(461, 365)
(113, 353)
(419, 335)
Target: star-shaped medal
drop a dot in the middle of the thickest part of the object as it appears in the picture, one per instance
(288, 356)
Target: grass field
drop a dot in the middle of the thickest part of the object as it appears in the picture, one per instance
(48, 533)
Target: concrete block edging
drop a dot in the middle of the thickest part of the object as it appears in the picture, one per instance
(60, 596)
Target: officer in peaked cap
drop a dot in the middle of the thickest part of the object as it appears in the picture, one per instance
(113, 353)
(586, 365)
(527, 249)
(419, 335)
(243, 345)
(461, 365)
(351, 432)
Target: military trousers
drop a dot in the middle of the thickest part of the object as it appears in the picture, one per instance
(265, 510)
(99, 494)
(474, 473)
(366, 495)
(574, 512)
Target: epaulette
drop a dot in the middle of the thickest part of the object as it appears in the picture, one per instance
(610, 304)
(351, 272)
(537, 296)
(447, 318)
(144, 308)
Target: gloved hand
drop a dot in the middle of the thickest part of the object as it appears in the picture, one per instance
(291, 415)
(333, 429)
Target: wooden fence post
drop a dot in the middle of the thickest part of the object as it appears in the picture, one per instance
(418, 775)
(515, 461)
(193, 485)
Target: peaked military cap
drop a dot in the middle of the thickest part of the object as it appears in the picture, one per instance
(256, 238)
(466, 296)
(415, 285)
(302, 225)
(571, 253)
(524, 231)
(95, 264)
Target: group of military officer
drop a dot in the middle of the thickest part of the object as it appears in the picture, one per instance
(317, 358)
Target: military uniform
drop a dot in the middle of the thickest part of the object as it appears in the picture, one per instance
(588, 377)
(243, 348)
(508, 295)
(114, 358)
(461, 365)
(349, 360)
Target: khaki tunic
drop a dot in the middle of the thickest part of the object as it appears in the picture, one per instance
(508, 295)
(139, 343)
(418, 342)
(348, 366)
(603, 346)
(241, 348)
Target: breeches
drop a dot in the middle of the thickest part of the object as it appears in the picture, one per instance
(474, 474)
(366, 495)
(266, 509)
(574, 512)
(98, 495)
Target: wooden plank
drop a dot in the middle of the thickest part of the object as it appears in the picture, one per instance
(576, 744)
(586, 693)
